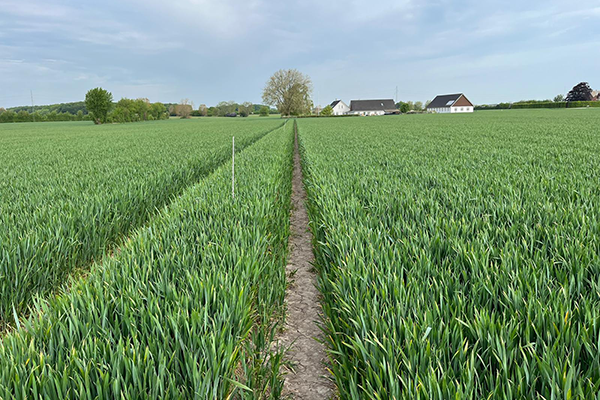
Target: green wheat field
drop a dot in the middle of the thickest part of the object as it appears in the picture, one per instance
(458, 256)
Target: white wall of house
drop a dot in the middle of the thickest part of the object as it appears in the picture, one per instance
(462, 109)
(453, 110)
(340, 108)
(367, 113)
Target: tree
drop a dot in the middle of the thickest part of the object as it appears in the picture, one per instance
(264, 111)
(79, 115)
(22, 116)
(418, 106)
(404, 107)
(159, 111)
(559, 98)
(7, 116)
(427, 103)
(183, 109)
(203, 110)
(141, 109)
(226, 107)
(289, 91)
(581, 92)
(98, 103)
(327, 111)
(411, 105)
(245, 108)
(2, 109)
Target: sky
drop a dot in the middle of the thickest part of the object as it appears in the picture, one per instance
(210, 51)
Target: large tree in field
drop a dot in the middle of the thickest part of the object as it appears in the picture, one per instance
(98, 103)
(289, 91)
(581, 92)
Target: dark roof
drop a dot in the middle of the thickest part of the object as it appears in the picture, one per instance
(372, 105)
(334, 103)
(445, 100)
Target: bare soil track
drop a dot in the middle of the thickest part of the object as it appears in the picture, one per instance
(307, 380)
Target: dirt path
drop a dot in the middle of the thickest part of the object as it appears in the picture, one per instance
(308, 379)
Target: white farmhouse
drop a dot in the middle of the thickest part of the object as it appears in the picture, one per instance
(339, 107)
(373, 107)
(451, 103)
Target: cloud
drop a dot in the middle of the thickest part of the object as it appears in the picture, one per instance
(35, 9)
(78, 24)
(211, 50)
(225, 19)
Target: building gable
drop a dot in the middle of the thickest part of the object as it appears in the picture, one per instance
(462, 102)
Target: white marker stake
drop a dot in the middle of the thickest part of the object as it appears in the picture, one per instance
(233, 167)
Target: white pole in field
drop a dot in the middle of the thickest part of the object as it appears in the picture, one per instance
(233, 167)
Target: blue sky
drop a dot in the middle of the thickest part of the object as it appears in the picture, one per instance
(210, 51)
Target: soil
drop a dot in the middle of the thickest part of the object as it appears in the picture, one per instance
(306, 377)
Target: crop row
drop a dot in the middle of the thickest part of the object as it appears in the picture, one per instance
(69, 192)
(186, 309)
(458, 256)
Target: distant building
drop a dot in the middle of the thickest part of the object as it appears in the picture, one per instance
(373, 107)
(339, 107)
(596, 95)
(451, 103)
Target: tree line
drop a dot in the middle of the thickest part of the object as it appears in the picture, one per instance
(581, 95)
(128, 110)
(26, 116)
(186, 109)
